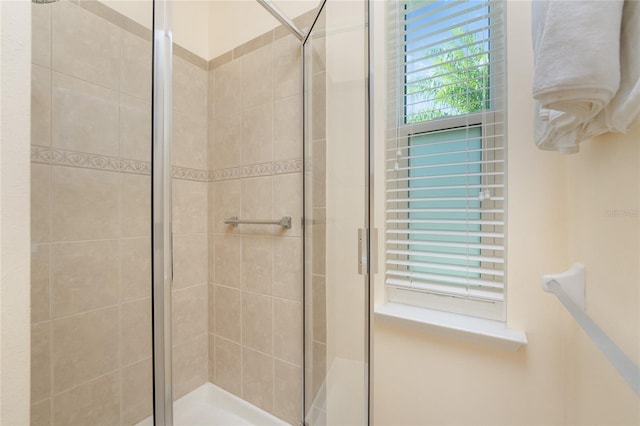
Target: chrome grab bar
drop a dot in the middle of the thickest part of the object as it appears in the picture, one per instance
(285, 222)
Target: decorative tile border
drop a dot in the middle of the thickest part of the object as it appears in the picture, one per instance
(61, 157)
(186, 173)
(264, 169)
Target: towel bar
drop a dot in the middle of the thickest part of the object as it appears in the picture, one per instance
(285, 222)
(569, 288)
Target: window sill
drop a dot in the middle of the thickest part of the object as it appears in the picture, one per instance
(484, 331)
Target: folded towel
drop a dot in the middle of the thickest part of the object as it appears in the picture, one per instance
(577, 66)
(623, 111)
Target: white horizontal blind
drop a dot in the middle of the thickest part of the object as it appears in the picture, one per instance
(445, 157)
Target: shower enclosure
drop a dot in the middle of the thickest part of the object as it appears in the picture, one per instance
(162, 293)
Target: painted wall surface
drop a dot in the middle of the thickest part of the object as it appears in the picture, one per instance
(211, 28)
(603, 225)
(190, 21)
(233, 22)
(561, 209)
(425, 379)
(15, 30)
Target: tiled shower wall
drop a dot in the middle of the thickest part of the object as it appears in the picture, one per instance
(91, 335)
(255, 272)
(237, 291)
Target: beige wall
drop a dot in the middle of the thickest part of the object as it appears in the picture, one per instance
(603, 226)
(557, 214)
(555, 217)
(234, 22)
(15, 27)
(213, 27)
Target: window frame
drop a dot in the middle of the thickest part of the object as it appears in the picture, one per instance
(493, 134)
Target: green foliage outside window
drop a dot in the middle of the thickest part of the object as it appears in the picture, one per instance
(459, 83)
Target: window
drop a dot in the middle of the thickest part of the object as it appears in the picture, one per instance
(446, 157)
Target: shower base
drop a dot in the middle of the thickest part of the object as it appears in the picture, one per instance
(210, 405)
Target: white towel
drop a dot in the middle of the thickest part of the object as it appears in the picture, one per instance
(577, 66)
(623, 111)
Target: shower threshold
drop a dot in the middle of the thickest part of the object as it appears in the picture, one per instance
(210, 405)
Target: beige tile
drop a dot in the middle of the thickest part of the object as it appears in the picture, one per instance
(287, 268)
(189, 87)
(228, 83)
(226, 148)
(211, 257)
(40, 106)
(256, 202)
(137, 392)
(85, 116)
(318, 244)
(188, 313)
(220, 60)
(94, 403)
(287, 392)
(136, 205)
(86, 46)
(189, 365)
(318, 367)
(287, 128)
(318, 51)
(85, 346)
(287, 67)
(257, 263)
(136, 66)
(287, 326)
(41, 34)
(227, 204)
(228, 261)
(211, 208)
(211, 308)
(41, 361)
(318, 102)
(287, 201)
(212, 358)
(257, 84)
(41, 413)
(84, 204)
(190, 139)
(257, 126)
(211, 122)
(257, 379)
(228, 365)
(135, 267)
(135, 128)
(319, 308)
(40, 203)
(254, 44)
(40, 297)
(257, 322)
(189, 260)
(228, 314)
(136, 331)
(189, 206)
(84, 276)
(318, 173)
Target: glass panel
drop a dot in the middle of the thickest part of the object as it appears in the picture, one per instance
(237, 152)
(335, 158)
(91, 268)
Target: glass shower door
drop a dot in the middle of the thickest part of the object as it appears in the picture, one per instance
(91, 351)
(336, 217)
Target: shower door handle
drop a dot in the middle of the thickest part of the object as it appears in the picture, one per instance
(367, 249)
(363, 257)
